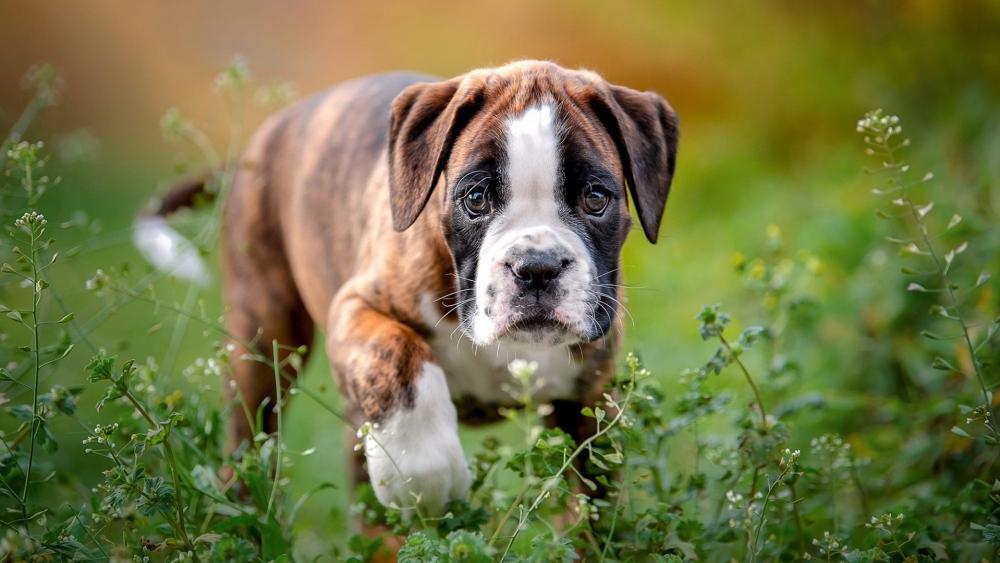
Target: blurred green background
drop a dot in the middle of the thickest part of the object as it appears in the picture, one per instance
(768, 93)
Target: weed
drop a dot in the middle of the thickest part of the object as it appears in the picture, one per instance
(737, 458)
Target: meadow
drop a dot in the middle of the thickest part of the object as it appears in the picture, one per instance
(809, 368)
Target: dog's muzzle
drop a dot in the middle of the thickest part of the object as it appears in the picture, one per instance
(539, 292)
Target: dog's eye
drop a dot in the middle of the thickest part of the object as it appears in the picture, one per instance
(595, 199)
(477, 201)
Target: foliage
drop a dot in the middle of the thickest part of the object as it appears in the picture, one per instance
(789, 474)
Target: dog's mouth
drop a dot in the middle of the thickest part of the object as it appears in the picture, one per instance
(537, 329)
(537, 324)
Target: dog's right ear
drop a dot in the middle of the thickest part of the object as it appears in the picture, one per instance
(427, 118)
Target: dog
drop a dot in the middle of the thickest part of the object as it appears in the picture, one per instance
(436, 230)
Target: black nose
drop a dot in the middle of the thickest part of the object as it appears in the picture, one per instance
(536, 271)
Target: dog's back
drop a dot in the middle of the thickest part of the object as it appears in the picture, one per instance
(301, 189)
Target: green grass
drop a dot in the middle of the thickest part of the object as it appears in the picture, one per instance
(841, 365)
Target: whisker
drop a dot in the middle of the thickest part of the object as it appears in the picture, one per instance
(617, 323)
(461, 324)
(624, 308)
(453, 309)
(620, 328)
(447, 295)
(461, 277)
(619, 286)
(607, 273)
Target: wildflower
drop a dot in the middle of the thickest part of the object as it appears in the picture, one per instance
(522, 369)
(99, 281)
(789, 458)
(738, 261)
(30, 219)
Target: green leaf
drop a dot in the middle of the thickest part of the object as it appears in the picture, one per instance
(599, 414)
(750, 336)
(99, 367)
(943, 365)
(948, 258)
(23, 413)
(421, 546)
(991, 532)
(960, 432)
(614, 457)
(469, 547)
(597, 461)
(942, 311)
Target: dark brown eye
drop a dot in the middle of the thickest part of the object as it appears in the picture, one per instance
(595, 200)
(476, 201)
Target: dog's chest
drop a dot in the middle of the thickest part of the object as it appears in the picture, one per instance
(482, 373)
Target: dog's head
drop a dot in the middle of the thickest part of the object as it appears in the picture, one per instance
(535, 161)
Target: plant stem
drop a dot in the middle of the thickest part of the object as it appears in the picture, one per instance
(569, 460)
(614, 517)
(753, 386)
(180, 525)
(896, 167)
(798, 519)
(277, 410)
(507, 515)
(763, 513)
(35, 298)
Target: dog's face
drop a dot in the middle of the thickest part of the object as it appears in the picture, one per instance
(535, 161)
(535, 218)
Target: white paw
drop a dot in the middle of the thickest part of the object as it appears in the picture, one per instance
(415, 457)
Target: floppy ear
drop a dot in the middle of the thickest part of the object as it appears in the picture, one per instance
(426, 120)
(644, 129)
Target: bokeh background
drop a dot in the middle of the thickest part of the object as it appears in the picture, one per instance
(768, 93)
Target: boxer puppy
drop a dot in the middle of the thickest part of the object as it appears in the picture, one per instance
(437, 230)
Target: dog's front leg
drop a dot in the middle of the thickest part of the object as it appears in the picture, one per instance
(388, 370)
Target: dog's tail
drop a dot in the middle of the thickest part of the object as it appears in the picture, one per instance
(164, 247)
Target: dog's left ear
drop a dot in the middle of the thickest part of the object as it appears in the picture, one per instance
(644, 129)
(426, 120)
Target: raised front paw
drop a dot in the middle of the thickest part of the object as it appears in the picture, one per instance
(415, 458)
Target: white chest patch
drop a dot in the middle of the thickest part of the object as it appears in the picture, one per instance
(480, 372)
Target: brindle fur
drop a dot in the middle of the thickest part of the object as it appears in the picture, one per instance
(312, 230)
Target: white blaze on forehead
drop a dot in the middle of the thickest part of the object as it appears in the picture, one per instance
(532, 170)
(529, 220)
(533, 160)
